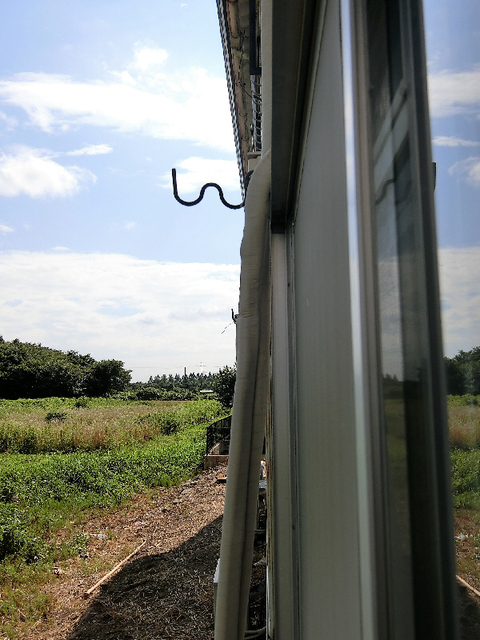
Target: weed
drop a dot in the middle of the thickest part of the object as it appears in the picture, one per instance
(94, 424)
(61, 416)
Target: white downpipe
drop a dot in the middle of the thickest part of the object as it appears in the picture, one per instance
(249, 413)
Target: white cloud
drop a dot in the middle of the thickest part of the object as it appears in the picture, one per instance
(34, 173)
(10, 123)
(130, 225)
(468, 169)
(181, 105)
(198, 171)
(146, 313)
(148, 57)
(91, 150)
(5, 229)
(453, 93)
(460, 292)
(453, 141)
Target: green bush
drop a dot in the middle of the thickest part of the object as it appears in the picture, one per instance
(15, 537)
(465, 465)
(463, 401)
(224, 385)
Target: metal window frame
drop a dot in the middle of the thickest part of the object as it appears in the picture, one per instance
(434, 589)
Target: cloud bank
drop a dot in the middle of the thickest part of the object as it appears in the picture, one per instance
(156, 317)
(460, 293)
(143, 98)
(453, 141)
(454, 93)
(194, 172)
(468, 170)
(34, 173)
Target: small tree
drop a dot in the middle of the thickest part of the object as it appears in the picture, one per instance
(105, 377)
(224, 385)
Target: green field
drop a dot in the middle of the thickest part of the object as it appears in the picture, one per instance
(95, 455)
(66, 425)
(61, 458)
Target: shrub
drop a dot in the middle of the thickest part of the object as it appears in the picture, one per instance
(56, 415)
(224, 385)
(81, 402)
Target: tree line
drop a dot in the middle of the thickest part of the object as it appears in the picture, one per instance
(29, 370)
(187, 387)
(463, 373)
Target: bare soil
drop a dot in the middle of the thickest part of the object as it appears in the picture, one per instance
(164, 591)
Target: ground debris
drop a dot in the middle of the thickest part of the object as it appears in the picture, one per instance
(165, 591)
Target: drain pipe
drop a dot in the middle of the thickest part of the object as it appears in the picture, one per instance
(249, 413)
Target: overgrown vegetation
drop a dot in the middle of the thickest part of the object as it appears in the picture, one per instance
(64, 425)
(39, 492)
(466, 478)
(97, 452)
(463, 373)
(464, 432)
(30, 370)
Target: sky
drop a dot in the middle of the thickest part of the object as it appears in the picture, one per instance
(99, 99)
(453, 64)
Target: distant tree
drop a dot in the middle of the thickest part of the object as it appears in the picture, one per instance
(32, 371)
(224, 385)
(193, 382)
(463, 373)
(106, 377)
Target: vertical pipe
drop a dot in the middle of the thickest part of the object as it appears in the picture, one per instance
(249, 414)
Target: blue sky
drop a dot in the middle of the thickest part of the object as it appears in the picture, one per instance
(453, 55)
(98, 101)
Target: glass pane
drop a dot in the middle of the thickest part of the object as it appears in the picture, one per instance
(392, 195)
(413, 550)
(453, 55)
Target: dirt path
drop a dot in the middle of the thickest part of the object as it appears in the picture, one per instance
(164, 591)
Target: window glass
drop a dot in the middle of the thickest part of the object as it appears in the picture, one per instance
(412, 552)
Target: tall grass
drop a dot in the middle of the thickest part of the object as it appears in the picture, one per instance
(465, 465)
(37, 493)
(69, 425)
(464, 426)
(96, 454)
(113, 452)
(464, 434)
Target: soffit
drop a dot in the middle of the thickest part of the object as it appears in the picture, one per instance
(234, 29)
(292, 43)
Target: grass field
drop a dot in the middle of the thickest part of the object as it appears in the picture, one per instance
(61, 459)
(464, 432)
(71, 425)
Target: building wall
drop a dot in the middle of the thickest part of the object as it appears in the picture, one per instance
(323, 443)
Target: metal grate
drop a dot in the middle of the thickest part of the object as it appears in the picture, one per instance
(219, 431)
